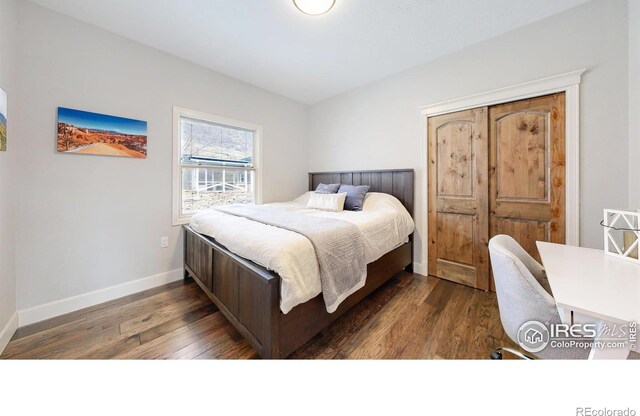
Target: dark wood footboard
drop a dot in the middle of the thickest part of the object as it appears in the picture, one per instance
(249, 295)
(246, 293)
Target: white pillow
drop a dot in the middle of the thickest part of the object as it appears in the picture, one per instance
(378, 201)
(327, 202)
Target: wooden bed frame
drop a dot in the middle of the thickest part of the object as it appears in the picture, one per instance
(249, 295)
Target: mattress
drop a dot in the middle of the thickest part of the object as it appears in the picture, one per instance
(383, 221)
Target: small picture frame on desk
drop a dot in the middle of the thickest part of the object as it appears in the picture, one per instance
(621, 233)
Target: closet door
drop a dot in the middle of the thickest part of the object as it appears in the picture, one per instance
(458, 197)
(527, 170)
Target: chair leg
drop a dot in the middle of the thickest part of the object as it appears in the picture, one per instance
(497, 354)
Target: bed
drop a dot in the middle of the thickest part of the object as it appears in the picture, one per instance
(251, 296)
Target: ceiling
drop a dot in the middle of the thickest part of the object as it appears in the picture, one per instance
(270, 44)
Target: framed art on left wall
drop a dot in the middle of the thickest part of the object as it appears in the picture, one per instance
(3, 121)
(84, 132)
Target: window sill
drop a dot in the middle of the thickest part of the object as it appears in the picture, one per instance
(181, 221)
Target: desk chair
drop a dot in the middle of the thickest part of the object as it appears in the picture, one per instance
(524, 295)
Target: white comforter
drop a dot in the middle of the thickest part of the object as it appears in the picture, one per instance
(384, 222)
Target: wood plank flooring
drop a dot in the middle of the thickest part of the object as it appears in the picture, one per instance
(411, 316)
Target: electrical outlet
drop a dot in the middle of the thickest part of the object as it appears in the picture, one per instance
(164, 242)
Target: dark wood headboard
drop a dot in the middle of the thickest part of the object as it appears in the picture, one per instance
(397, 182)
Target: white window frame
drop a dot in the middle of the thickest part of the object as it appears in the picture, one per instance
(179, 112)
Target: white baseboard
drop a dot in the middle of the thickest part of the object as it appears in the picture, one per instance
(74, 303)
(7, 332)
(420, 268)
(60, 307)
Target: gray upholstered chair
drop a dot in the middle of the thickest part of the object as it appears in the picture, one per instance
(524, 295)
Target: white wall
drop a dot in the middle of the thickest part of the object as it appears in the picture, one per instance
(89, 222)
(8, 18)
(634, 104)
(378, 126)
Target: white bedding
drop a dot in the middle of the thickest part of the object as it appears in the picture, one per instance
(384, 222)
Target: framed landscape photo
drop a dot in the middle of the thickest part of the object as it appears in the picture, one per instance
(3, 121)
(84, 132)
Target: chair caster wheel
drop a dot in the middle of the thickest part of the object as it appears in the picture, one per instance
(496, 355)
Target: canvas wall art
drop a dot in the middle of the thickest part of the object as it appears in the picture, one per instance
(3, 121)
(99, 134)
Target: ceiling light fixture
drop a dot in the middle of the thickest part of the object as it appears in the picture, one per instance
(314, 7)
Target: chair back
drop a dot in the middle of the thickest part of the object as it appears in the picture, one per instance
(521, 297)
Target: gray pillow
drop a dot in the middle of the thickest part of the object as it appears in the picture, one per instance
(331, 188)
(355, 196)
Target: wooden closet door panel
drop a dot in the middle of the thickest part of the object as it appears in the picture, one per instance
(527, 170)
(458, 197)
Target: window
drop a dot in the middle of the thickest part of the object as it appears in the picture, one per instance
(216, 162)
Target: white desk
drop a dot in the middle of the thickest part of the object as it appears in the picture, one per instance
(592, 283)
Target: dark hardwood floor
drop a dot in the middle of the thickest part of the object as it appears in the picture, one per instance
(410, 316)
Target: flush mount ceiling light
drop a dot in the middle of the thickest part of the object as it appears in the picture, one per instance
(314, 7)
